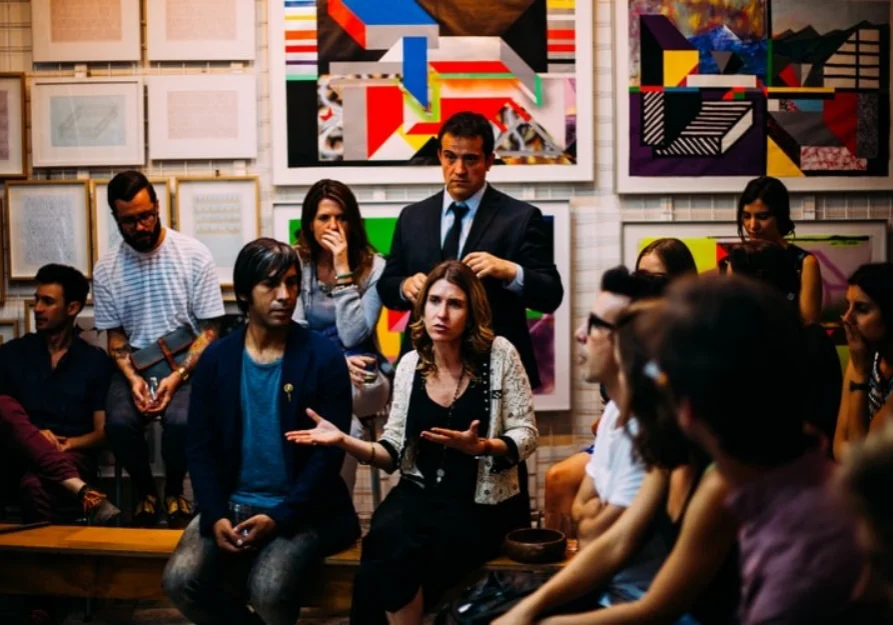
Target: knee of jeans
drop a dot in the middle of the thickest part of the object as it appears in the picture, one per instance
(179, 579)
(268, 592)
(122, 422)
(174, 428)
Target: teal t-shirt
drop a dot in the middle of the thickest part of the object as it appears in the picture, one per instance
(262, 478)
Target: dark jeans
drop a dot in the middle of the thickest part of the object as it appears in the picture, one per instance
(38, 465)
(125, 429)
(213, 587)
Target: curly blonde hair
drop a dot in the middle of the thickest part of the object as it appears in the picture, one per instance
(478, 335)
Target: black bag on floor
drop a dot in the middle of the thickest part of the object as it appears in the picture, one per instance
(490, 598)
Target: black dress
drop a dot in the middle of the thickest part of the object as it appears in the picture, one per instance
(428, 532)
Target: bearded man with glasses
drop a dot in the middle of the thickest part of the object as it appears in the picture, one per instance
(158, 295)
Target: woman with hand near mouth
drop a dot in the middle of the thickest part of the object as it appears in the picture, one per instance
(461, 421)
(764, 214)
(339, 298)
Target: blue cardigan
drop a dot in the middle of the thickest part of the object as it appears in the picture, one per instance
(315, 368)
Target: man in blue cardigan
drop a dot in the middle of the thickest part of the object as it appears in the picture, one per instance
(269, 511)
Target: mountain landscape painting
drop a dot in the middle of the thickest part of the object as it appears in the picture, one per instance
(733, 89)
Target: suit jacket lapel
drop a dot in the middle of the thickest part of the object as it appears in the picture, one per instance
(486, 212)
(431, 231)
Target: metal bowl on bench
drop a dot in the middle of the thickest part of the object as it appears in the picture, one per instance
(532, 545)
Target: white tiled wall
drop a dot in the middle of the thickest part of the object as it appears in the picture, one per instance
(596, 211)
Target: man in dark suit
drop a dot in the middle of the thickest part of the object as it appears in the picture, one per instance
(269, 511)
(505, 241)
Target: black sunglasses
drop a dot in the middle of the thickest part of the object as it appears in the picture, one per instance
(597, 322)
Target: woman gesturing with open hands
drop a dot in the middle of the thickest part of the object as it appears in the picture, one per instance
(461, 422)
(328, 434)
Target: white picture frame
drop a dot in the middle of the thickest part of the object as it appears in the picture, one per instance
(87, 122)
(283, 21)
(73, 31)
(222, 213)
(204, 116)
(559, 395)
(659, 184)
(47, 221)
(105, 231)
(200, 30)
(13, 151)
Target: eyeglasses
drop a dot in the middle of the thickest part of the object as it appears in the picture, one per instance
(597, 322)
(143, 219)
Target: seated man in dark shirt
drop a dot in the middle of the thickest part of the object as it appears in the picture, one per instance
(52, 403)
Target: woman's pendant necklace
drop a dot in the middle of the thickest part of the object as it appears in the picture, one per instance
(440, 473)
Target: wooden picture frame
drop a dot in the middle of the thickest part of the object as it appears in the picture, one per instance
(203, 116)
(236, 202)
(13, 147)
(35, 208)
(108, 31)
(87, 122)
(9, 330)
(201, 31)
(105, 233)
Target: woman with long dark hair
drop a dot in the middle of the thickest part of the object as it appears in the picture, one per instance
(867, 401)
(339, 271)
(764, 214)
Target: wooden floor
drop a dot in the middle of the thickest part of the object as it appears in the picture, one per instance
(145, 613)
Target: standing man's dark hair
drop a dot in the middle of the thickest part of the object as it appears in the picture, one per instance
(466, 125)
(262, 259)
(75, 286)
(125, 185)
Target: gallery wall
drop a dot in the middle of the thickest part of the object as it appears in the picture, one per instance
(596, 212)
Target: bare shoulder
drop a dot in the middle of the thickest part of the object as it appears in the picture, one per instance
(708, 504)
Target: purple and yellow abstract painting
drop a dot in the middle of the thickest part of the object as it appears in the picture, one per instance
(745, 88)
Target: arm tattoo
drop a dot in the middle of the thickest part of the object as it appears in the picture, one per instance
(208, 331)
(121, 352)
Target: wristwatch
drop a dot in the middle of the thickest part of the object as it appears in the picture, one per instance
(859, 386)
(184, 375)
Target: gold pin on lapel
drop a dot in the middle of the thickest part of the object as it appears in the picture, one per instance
(288, 388)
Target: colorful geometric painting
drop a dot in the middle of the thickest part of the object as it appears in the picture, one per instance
(729, 90)
(363, 84)
(550, 333)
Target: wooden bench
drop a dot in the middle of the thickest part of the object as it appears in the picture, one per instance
(119, 563)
